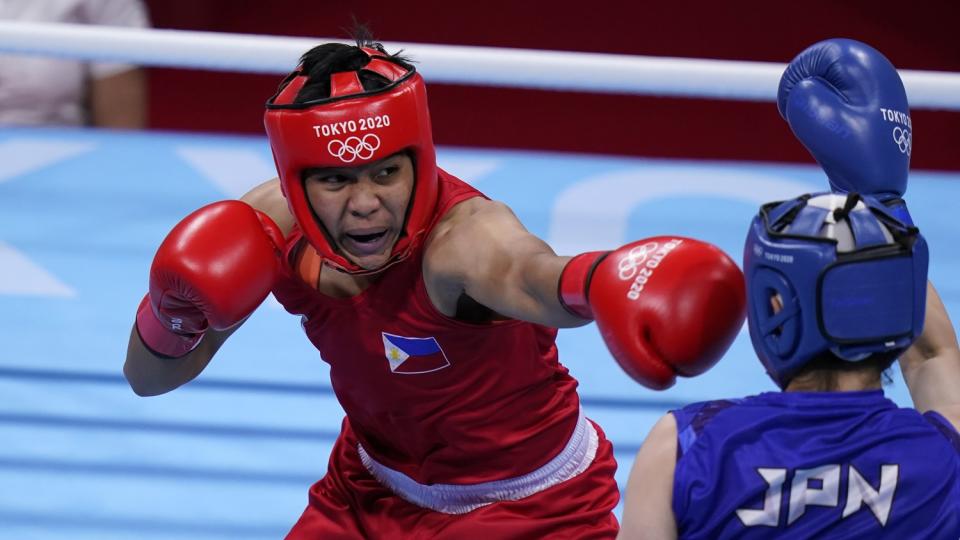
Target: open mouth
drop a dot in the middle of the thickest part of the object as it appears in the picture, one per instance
(368, 243)
(367, 238)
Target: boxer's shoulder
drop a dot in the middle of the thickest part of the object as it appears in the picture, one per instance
(268, 198)
(459, 238)
(466, 223)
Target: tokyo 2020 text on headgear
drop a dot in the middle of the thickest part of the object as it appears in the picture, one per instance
(852, 279)
(353, 127)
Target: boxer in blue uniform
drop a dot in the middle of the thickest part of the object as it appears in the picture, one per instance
(836, 291)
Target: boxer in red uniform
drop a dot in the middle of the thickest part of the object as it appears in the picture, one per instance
(437, 312)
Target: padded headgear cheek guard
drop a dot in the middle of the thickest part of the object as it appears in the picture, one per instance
(354, 127)
(850, 276)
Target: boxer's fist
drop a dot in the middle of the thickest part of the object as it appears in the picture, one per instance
(846, 103)
(212, 270)
(665, 306)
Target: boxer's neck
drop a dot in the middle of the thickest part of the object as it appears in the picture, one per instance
(831, 380)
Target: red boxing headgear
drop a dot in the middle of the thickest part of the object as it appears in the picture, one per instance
(354, 127)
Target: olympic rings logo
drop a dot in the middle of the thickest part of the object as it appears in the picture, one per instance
(904, 139)
(354, 147)
(629, 264)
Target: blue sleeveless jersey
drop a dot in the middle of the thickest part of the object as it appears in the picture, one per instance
(835, 465)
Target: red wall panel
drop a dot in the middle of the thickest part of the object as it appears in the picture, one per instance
(923, 37)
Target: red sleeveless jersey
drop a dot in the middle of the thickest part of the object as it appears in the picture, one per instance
(440, 400)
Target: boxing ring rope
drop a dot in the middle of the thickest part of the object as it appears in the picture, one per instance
(489, 66)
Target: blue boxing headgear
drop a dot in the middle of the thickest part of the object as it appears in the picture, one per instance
(852, 279)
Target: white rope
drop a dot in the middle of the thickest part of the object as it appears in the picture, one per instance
(525, 68)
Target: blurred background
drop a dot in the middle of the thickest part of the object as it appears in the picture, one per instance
(232, 454)
(919, 37)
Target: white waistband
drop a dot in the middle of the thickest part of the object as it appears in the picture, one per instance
(576, 456)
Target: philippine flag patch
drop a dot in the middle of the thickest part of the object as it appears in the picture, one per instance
(409, 356)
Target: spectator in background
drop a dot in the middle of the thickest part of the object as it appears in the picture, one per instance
(36, 90)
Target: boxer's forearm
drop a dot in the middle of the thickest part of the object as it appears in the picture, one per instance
(931, 366)
(150, 374)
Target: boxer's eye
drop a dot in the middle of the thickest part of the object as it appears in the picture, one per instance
(386, 172)
(329, 180)
(334, 179)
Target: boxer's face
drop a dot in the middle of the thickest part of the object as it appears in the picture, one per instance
(363, 208)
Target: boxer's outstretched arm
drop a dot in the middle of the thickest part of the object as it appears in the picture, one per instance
(482, 250)
(931, 366)
(675, 316)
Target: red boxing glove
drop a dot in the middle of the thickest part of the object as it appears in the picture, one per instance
(212, 270)
(665, 306)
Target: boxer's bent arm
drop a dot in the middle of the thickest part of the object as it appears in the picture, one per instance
(931, 366)
(647, 506)
(482, 250)
(151, 375)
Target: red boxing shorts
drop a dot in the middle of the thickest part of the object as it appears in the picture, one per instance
(349, 503)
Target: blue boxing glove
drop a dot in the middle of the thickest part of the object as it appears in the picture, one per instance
(846, 103)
